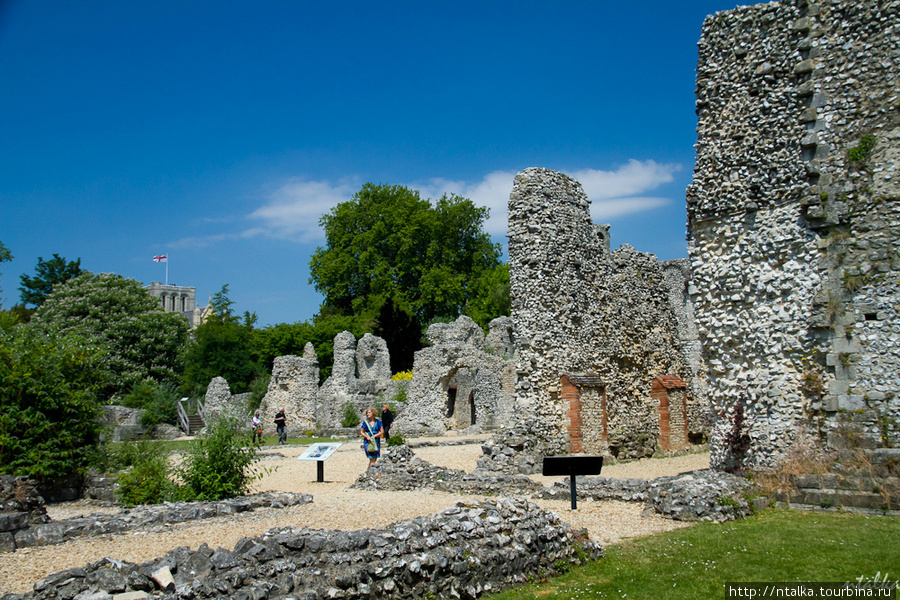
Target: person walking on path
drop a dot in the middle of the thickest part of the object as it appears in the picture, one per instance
(372, 431)
(387, 419)
(280, 421)
(256, 425)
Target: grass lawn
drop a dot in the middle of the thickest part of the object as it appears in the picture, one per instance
(697, 562)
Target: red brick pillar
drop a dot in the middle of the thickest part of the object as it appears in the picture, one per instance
(570, 392)
(659, 393)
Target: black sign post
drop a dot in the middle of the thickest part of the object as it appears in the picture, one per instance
(571, 466)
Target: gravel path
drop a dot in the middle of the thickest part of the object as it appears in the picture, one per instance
(334, 506)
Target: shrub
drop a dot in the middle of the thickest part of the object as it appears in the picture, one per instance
(157, 400)
(49, 421)
(258, 389)
(218, 466)
(350, 416)
(147, 480)
(141, 340)
(402, 376)
(396, 440)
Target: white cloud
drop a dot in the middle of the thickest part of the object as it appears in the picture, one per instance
(632, 178)
(612, 193)
(292, 211)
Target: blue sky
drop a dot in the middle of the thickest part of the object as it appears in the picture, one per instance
(219, 132)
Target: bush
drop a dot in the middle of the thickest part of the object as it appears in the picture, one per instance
(350, 417)
(396, 440)
(49, 414)
(147, 480)
(218, 465)
(157, 400)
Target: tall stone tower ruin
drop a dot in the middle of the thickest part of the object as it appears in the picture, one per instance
(793, 223)
(594, 328)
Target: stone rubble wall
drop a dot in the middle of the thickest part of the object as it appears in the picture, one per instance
(44, 532)
(400, 469)
(704, 495)
(21, 507)
(464, 551)
(792, 244)
(579, 308)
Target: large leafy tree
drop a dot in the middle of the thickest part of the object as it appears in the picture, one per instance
(388, 250)
(141, 340)
(222, 347)
(48, 402)
(48, 274)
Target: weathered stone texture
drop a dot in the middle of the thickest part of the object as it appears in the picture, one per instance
(792, 240)
(294, 385)
(457, 382)
(464, 551)
(579, 308)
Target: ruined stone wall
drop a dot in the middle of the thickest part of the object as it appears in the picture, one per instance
(294, 386)
(579, 308)
(460, 365)
(792, 232)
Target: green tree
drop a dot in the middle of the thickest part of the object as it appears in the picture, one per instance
(5, 255)
(141, 340)
(222, 347)
(386, 247)
(49, 421)
(491, 298)
(48, 274)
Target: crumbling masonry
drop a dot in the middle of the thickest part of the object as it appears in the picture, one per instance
(595, 328)
(794, 223)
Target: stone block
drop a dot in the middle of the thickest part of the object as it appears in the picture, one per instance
(131, 596)
(851, 402)
(13, 521)
(7, 542)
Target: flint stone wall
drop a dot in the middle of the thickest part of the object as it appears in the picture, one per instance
(41, 531)
(792, 241)
(705, 495)
(360, 375)
(462, 552)
(294, 385)
(462, 379)
(579, 308)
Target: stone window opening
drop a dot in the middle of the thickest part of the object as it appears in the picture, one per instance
(451, 401)
(472, 419)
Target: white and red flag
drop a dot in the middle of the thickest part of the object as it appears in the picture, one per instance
(161, 258)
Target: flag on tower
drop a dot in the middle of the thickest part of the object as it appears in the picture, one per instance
(161, 258)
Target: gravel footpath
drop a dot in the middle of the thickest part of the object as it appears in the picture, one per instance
(334, 506)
